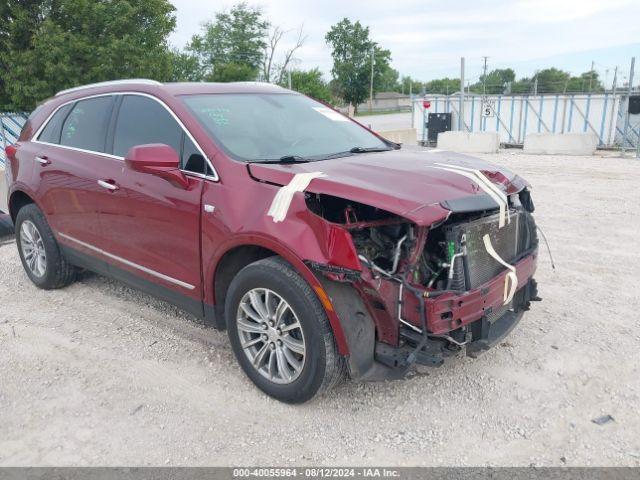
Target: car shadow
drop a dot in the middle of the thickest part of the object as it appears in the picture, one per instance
(6, 229)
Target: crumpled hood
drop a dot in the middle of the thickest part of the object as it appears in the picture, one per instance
(403, 182)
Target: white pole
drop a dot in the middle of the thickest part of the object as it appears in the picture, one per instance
(613, 105)
(626, 119)
(461, 108)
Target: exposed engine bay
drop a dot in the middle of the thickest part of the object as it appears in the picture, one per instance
(423, 277)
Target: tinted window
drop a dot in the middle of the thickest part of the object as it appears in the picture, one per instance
(51, 132)
(86, 126)
(142, 120)
(192, 159)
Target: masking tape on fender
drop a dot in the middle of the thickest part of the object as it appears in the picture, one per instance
(489, 191)
(282, 200)
(511, 280)
(485, 181)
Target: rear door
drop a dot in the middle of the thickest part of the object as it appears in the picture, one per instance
(153, 226)
(69, 155)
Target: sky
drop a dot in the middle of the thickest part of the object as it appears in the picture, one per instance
(427, 37)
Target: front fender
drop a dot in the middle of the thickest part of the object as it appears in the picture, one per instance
(276, 246)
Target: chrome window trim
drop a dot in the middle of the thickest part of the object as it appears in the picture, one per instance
(129, 263)
(213, 177)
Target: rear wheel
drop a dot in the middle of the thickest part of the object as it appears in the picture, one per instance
(39, 252)
(280, 333)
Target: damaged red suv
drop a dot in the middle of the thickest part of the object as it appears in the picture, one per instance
(323, 249)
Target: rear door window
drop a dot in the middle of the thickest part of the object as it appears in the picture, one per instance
(86, 125)
(142, 120)
(51, 132)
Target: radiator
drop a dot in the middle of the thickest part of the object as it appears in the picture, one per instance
(477, 266)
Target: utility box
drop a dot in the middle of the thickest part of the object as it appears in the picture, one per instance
(437, 123)
(634, 105)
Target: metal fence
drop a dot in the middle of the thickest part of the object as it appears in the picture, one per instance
(10, 127)
(515, 116)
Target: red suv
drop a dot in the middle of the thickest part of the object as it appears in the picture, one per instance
(323, 249)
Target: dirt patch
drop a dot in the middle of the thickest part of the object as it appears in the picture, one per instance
(98, 374)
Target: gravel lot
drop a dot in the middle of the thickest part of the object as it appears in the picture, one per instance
(98, 374)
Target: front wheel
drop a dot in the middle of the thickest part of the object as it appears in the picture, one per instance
(280, 333)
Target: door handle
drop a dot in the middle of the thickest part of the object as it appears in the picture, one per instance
(43, 160)
(108, 185)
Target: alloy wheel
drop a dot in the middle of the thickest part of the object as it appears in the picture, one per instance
(33, 250)
(271, 335)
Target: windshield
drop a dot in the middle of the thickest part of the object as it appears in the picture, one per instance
(270, 127)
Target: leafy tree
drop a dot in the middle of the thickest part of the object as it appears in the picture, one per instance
(185, 67)
(410, 86)
(388, 80)
(582, 83)
(522, 86)
(495, 82)
(446, 86)
(551, 80)
(351, 52)
(50, 45)
(310, 82)
(231, 47)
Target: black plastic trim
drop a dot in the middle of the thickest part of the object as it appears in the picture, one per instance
(198, 308)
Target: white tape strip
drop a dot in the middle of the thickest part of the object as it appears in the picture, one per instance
(489, 191)
(511, 280)
(482, 177)
(282, 200)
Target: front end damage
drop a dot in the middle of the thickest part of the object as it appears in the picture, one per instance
(426, 292)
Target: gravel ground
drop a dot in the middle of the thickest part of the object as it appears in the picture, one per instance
(98, 374)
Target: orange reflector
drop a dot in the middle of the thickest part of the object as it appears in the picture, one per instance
(324, 299)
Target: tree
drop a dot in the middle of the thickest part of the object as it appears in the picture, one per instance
(232, 46)
(551, 80)
(496, 81)
(272, 69)
(49, 45)
(310, 82)
(185, 67)
(388, 80)
(584, 81)
(351, 50)
(444, 86)
(410, 86)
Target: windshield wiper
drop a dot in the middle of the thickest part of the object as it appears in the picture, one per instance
(348, 153)
(285, 159)
(370, 149)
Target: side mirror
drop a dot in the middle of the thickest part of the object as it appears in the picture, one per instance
(157, 159)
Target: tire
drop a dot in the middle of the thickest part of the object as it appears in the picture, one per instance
(319, 369)
(58, 273)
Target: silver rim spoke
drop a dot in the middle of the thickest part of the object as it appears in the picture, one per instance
(292, 344)
(32, 247)
(271, 335)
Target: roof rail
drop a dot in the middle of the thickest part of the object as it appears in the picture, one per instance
(142, 81)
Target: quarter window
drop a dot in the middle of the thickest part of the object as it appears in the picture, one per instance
(51, 132)
(86, 125)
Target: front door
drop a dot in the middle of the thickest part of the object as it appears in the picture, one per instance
(152, 225)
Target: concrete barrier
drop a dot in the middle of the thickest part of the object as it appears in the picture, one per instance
(3, 192)
(560, 143)
(465, 142)
(405, 135)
